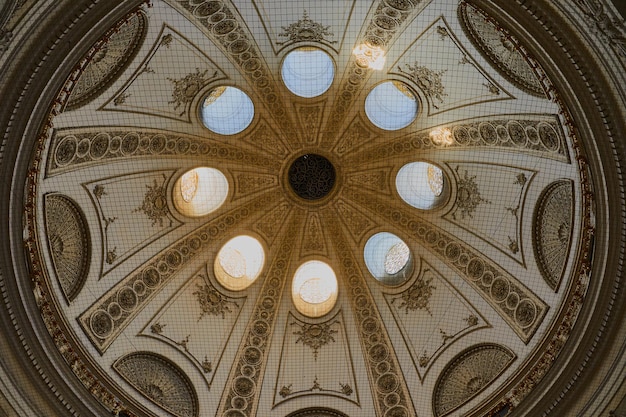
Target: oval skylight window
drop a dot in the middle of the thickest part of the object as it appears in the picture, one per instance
(391, 105)
(308, 72)
(239, 262)
(200, 191)
(422, 185)
(227, 110)
(388, 258)
(314, 288)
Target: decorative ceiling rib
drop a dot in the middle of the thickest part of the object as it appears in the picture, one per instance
(492, 273)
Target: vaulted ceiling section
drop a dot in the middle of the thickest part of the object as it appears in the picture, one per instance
(297, 208)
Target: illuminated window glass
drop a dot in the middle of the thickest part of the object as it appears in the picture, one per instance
(239, 262)
(314, 289)
(388, 258)
(308, 72)
(189, 185)
(391, 105)
(397, 258)
(200, 191)
(368, 56)
(227, 110)
(421, 184)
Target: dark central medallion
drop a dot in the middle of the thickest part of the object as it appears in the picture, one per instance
(311, 176)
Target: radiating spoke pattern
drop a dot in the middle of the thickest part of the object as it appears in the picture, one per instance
(259, 209)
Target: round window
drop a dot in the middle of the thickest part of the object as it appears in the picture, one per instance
(239, 262)
(422, 185)
(200, 191)
(314, 289)
(388, 258)
(308, 72)
(227, 110)
(391, 105)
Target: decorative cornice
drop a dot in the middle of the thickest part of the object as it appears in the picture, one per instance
(580, 83)
(62, 396)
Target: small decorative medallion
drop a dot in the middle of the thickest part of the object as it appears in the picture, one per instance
(212, 301)
(417, 296)
(468, 196)
(315, 335)
(155, 204)
(427, 80)
(306, 30)
(186, 88)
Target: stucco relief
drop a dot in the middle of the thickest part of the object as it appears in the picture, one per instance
(432, 315)
(72, 149)
(470, 372)
(161, 381)
(522, 309)
(113, 311)
(69, 243)
(552, 231)
(454, 80)
(106, 60)
(224, 25)
(172, 88)
(384, 22)
(306, 30)
(136, 202)
(313, 239)
(503, 50)
(242, 389)
(198, 321)
(541, 137)
(392, 395)
(309, 346)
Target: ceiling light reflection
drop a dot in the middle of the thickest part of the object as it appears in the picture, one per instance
(369, 56)
(441, 137)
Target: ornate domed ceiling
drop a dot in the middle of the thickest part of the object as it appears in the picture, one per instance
(292, 208)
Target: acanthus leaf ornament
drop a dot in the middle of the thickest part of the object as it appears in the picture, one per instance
(306, 30)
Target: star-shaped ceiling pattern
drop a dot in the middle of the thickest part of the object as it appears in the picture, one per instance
(334, 247)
